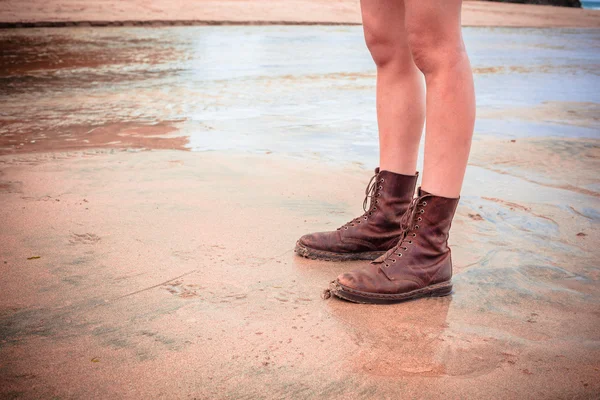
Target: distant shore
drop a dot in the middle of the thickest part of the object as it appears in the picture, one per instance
(37, 13)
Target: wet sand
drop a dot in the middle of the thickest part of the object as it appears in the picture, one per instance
(150, 202)
(163, 12)
(171, 274)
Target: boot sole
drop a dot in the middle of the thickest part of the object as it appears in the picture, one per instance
(356, 296)
(314, 254)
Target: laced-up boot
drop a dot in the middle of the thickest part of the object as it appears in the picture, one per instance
(418, 266)
(369, 236)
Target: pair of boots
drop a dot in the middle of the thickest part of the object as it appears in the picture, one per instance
(406, 237)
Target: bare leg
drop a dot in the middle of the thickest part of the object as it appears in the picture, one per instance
(420, 264)
(400, 115)
(435, 39)
(400, 92)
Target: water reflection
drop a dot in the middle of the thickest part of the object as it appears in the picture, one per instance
(296, 90)
(404, 339)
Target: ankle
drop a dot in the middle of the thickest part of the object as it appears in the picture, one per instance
(398, 169)
(441, 191)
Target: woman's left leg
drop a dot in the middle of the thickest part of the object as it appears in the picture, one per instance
(435, 39)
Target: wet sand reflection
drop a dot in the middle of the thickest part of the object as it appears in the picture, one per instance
(397, 340)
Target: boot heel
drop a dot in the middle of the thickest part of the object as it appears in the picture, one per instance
(443, 291)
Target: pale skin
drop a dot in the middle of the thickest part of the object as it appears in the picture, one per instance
(423, 72)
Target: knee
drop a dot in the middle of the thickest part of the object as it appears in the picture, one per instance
(433, 50)
(385, 48)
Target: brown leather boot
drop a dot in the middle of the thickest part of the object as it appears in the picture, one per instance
(373, 233)
(418, 266)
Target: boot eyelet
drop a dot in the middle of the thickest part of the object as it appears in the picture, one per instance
(380, 187)
(382, 180)
(346, 228)
(358, 222)
(414, 235)
(409, 242)
(366, 217)
(422, 211)
(399, 254)
(374, 208)
(405, 248)
(419, 219)
(393, 260)
(424, 203)
(387, 265)
(416, 226)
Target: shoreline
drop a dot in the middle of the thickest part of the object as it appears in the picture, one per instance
(111, 13)
(180, 23)
(163, 23)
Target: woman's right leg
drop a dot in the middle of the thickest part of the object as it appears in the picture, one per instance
(400, 85)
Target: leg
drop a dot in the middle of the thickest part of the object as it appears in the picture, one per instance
(420, 264)
(435, 39)
(400, 93)
(400, 114)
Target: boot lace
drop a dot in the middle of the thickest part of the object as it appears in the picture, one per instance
(371, 192)
(408, 224)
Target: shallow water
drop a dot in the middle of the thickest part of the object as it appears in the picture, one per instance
(299, 90)
(591, 4)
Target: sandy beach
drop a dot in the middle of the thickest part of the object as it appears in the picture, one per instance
(171, 274)
(163, 12)
(154, 180)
